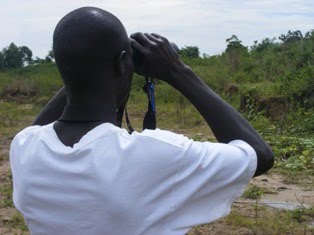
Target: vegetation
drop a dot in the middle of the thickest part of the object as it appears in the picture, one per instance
(12, 57)
(15, 57)
(271, 83)
(190, 52)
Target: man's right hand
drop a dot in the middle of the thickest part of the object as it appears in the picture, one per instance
(155, 57)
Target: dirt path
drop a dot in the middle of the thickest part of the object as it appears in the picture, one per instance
(281, 194)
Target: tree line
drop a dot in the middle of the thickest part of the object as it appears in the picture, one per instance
(13, 56)
(234, 44)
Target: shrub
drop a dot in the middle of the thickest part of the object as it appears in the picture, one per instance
(19, 90)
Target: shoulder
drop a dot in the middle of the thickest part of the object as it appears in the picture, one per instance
(230, 157)
(29, 130)
(22, 141)
(26, 134)
(164, 137)
(189, 150)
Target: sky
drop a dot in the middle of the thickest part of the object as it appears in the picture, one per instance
(203, 23)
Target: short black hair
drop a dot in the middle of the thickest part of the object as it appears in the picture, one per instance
(84, 40)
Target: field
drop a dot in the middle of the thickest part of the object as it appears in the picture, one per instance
(273, 90)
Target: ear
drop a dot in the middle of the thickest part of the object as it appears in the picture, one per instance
(121, 63)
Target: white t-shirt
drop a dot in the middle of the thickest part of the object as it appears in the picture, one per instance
(111, 182)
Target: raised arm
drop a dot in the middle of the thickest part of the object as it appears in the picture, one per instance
(53, 110)
(160, 61)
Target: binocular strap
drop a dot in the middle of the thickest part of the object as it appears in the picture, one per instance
(149, 121)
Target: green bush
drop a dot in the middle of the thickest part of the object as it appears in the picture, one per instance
(20, 89)
(293, 153)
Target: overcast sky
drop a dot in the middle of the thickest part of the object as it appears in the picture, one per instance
(204, 23)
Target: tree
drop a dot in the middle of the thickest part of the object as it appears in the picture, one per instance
(50, 57)
(190, 52)
(235, 52)
(38, 60)
(16, 57)
(1, 61)
(12, 57)
(291, 36)
(309, 35)
(265, 44)
(234, 44)
(26, 54)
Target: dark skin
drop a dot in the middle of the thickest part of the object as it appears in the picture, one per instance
(159, 60)
(85, 114)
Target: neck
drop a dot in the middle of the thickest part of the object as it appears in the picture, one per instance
(95, 108)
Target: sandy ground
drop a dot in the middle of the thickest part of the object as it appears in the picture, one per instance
(284, 195)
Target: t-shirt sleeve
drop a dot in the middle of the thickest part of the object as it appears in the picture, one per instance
(210, 176)
(16, 157)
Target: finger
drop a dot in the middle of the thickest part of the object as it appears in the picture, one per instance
(137, 46)
(160, 37)
(152, 38)
(137, 51)
(141, 38)
(134, 35)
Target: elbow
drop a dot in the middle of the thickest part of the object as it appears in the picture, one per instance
(265, 160)
(269, 159)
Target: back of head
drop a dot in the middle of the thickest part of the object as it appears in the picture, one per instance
(85, 43)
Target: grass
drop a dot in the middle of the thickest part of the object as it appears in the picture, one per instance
(16, 221)
(253, 192)
(270, 222)
(245, 220)
(13, 117)
(6, 191)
